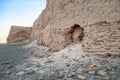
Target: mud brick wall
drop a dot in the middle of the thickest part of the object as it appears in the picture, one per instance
(102, 37)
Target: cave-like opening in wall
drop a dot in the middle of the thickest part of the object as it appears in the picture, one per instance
(77, 33)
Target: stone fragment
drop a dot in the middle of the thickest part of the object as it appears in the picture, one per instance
(79, 71)
(92, 72)
(8, 72)
(4, 63)
(109, 68)
(9, 66)
(112, 72)
(20, 73)
(102, 73)
(81, 77)
(88, 69)
(105, 78)
(29, 70)
(49, 61)
(70, 79)
(92, 65)
(70, 75)
(66, 70)
(60, 74)
(41, 77)
(41, 72)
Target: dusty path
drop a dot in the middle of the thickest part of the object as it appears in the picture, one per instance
(10, 56)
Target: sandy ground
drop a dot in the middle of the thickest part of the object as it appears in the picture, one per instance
(32, 62)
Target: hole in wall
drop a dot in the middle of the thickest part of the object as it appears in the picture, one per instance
(108, 54)
(77, 33)
(83, 45)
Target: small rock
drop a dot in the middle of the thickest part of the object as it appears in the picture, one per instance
(60, 74)
(92, 72)
(112, 72)
(29, 70)
(60, 66)
(114, 66)
(38, 65)
(70, 79)
(9, 66)
(88, 69)
(105, 69)
(109, 68)
(81, 77)
(102, 72)
(38, 56)
(49, 61)
(41, 72)
(79, 71)
(67, 64)
(41, 77)
(70, 75)
(5, 62)
(72, 67)
(20, 73)
(119, 77)
(65, 57)
(8, 72)
(65, 78)
(105, 78)
(52, 73)
(92, 65)
(66, 70)
(83, 56)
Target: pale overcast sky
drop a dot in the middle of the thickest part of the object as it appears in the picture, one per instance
(18, 12)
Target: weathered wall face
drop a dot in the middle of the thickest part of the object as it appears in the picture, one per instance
(52, 9)
(18, 34)
(53, 27)
(102, 37)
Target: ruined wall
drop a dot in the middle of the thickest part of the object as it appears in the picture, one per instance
(18, 34)
(102, 37)
(53, 27)
(48, 14)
